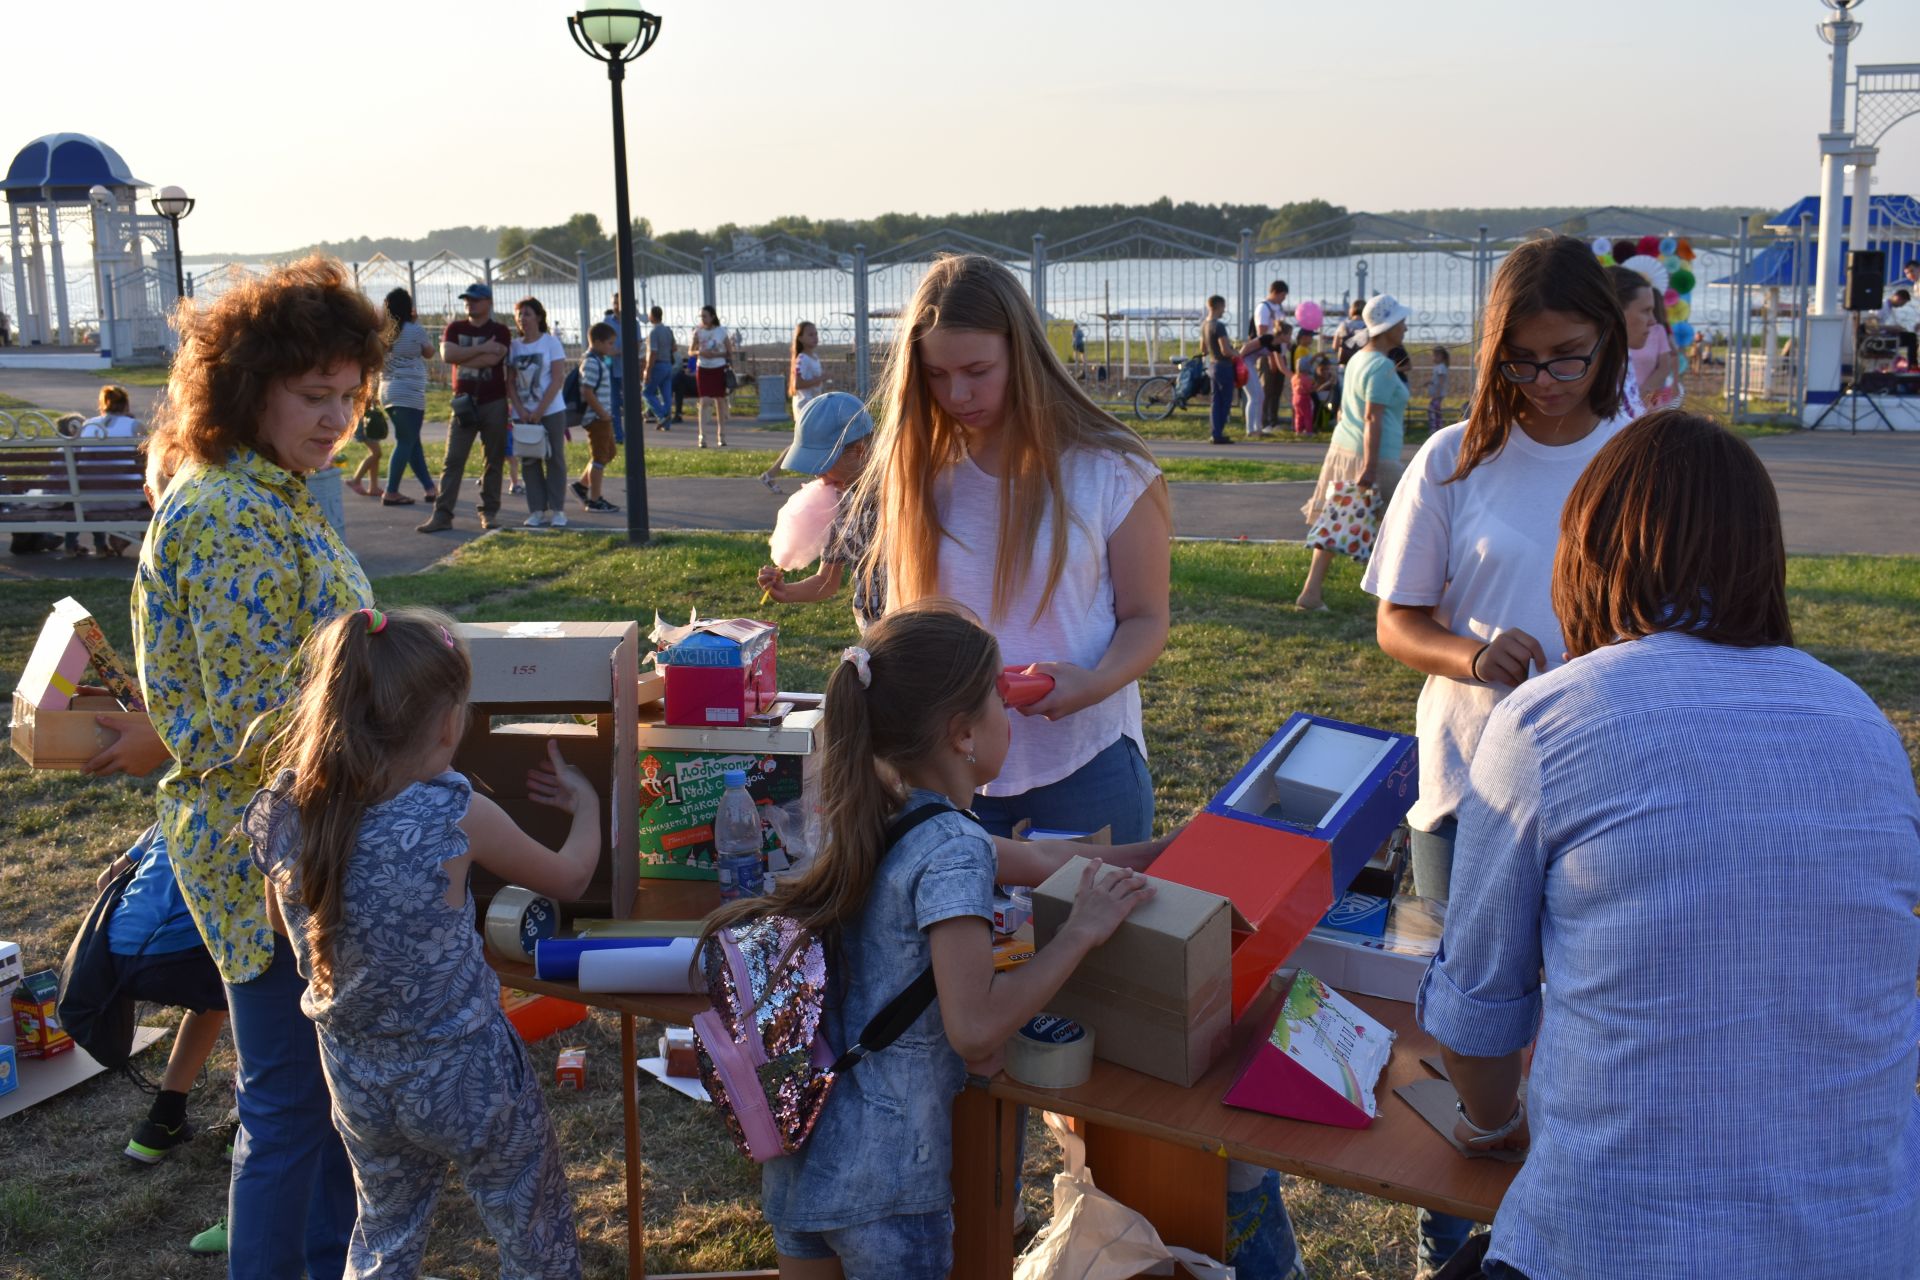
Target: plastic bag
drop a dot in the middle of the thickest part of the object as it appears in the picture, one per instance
(1348, 521)
(1095, 1237)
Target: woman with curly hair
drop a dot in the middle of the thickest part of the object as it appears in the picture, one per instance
(239, 566)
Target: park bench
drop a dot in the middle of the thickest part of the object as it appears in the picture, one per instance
(51, 483)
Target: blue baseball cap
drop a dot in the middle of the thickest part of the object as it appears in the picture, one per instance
(478, 290)
(826, 426)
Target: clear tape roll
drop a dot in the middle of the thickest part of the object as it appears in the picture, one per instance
(516, 918)
(1050, 1052)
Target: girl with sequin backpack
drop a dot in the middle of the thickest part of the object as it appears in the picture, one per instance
(856, 1142)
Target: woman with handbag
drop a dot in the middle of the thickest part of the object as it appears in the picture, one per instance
(539, 431)
(712, 345)
(1362, 465)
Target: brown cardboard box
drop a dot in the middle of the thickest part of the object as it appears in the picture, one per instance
(64, 739)
(1157, 993)
(527, 669)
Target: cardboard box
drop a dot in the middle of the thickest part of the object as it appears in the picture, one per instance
(720, 673)
(71, 651)
(570, 1069)
(677, 1051)
(681, 781)
(1286, 836)
(9, 1069)
(1013, 950)
(64, 739)
(1025, 830)
(1157, 993)
(527, 669)
(1390, 966)
(36, 1017)
(535, 1017)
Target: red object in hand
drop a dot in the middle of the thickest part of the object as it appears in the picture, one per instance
(1018, 689)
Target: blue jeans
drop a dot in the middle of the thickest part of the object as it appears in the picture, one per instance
(1224, 395)
(290, 1204)
(1260, 1239)
(1441, 1234)
(660, 392)
(1110, 790)
(906, 1246)
(406, 448)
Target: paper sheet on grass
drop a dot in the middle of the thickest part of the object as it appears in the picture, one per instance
(42, 1078)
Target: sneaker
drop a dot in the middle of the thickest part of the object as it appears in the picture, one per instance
(212, 1240)
(438, 523)
(579, 490)
(766, 478)
(557, 519)
(152, 1140)
(538, 520)
(600, 504)
(516, 489)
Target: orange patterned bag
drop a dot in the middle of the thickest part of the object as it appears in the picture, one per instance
(1348, 522)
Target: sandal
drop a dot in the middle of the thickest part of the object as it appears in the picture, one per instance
(396, 500)
(359, 487)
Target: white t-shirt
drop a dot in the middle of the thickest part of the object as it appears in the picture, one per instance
(711, 346)
(1268, 316)
(1481, 551)
(532, 370)
(1101, 488)
(808, 366)
(110, 426)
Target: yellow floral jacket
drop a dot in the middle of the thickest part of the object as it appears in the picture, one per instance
(239, 566)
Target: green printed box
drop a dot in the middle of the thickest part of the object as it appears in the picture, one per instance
(680, 795)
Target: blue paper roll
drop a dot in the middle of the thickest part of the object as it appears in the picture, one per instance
(558, 959)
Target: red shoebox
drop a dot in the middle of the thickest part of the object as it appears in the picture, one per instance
(720, 673)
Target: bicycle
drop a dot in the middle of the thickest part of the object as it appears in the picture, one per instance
(1157, 397)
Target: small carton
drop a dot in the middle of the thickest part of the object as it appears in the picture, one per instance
(71, 650)
(676, 1049)
(719, 673)
(36, 1016)
(1013, 950)
(551, 670)
(1156, 993)
(570, 1068)
(682, 778)
(1025, 830)
(1320, 1062)
(9, 1070)
(1288, 834)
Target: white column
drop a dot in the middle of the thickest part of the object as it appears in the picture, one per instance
(1834, 148)
(62, 316)
(21, 302)
(1859, 228)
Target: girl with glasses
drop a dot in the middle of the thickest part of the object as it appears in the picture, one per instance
(1463, 566)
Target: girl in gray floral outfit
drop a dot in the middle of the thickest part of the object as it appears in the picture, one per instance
(366, 838)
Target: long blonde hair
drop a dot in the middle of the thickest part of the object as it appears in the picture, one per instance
(927, 664)
(373, 687)
(1045, 414)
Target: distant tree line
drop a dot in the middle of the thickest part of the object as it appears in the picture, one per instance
(1306, 227)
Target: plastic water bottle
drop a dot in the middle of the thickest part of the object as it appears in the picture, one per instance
(737, 842)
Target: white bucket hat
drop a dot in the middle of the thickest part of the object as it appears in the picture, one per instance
(1383, 312)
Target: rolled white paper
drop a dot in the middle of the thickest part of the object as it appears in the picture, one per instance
(667, 970)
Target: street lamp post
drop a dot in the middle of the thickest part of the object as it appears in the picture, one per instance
(616, 33)
(174, 204)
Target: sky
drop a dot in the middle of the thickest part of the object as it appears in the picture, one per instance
(294, 123)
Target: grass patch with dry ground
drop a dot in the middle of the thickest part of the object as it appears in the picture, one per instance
(1237, 662)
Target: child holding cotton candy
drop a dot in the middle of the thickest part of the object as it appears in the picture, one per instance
(821, 522)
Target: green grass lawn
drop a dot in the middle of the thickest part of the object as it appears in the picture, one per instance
(1237, 661)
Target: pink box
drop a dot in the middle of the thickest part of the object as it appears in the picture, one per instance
(721, 674)
(57, 669)
(1320, 1060)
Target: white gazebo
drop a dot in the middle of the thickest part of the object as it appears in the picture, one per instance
(65, 191)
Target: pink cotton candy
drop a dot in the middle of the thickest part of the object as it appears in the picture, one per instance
(800, 530)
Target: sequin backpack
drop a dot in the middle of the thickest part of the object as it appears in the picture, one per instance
(763, 1056)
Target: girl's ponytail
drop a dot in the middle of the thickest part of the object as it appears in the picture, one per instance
(889, 706)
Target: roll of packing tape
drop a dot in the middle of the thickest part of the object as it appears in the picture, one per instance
(518, 918)
(1051, 1052)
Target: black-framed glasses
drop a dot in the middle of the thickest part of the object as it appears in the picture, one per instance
(1560, 368)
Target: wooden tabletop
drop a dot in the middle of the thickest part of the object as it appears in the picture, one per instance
(1399, 1157)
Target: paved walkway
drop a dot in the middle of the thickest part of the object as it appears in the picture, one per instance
(1839, 493)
